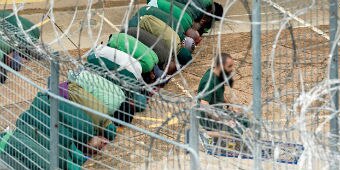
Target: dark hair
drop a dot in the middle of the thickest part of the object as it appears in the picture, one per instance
(221, 59)
(218, 10)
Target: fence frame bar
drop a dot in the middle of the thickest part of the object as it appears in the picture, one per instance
(256, 51)
(193, 140)
(333, 74)
(54, 117)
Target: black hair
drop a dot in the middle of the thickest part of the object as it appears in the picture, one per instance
(218, 10)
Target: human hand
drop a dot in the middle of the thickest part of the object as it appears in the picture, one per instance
(231, 123)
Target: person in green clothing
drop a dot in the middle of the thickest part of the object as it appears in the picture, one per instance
(166, 6)
(160, 29)
(213, 78)
(211, 92)
(205, 22)
(158, 13)
(27, 147)
(3, 71)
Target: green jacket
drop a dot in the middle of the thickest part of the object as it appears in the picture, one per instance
(29, 145)
(102, 89)
(126, 43)
(191, 10)
(26, 24)
(185, 20)
(80, 96)
(158, 13)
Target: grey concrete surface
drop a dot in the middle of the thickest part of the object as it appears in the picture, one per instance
(3, 166)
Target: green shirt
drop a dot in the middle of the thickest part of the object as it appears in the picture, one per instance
(207, 83)
(105, 91)
(1, 56)
(158, 13)
(128, 44)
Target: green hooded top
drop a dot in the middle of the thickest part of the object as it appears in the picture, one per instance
(126, 43)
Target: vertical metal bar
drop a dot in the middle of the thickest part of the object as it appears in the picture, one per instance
(54, 117)
(193, 139)
(333, 74)
(256, 49)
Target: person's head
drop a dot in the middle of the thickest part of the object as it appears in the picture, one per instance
(172, 68)
(95, 144)
(192, 33)
(189, 44)
(149, 77)
(225, 63)
(205, 22)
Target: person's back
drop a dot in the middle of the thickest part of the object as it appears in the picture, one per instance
(115, 56)
(158, 13)
(155, 43)
(102, 89)
(160, 29)
(128, 44)
(166, 6)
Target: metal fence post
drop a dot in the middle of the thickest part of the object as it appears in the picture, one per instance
(333, 74)
(54, 117)
(193, 139)
(256, 50)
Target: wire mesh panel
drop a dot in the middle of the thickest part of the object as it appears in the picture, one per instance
(95, 108)
(295, 48)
